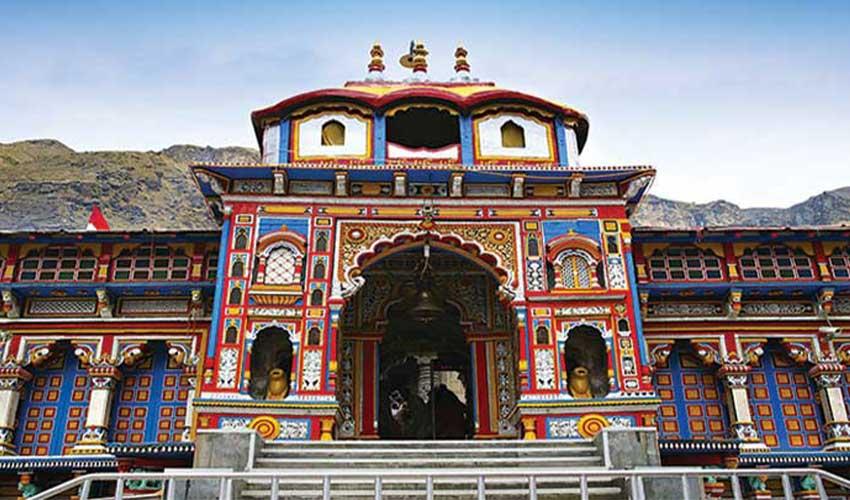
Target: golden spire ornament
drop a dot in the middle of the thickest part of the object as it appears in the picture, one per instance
(376, 64)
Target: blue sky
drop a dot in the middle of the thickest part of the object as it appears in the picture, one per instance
(744, 101)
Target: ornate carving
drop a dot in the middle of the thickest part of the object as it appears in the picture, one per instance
(616, 273)
(346, 389)
(227, 363)
(104, 304)
(733, 303)
(777, 309)
(544, 368)
(506, 386)
(10, 304)
(312, 370)
(583, 311)
(685, 309)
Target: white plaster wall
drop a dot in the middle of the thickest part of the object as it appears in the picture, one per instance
(271, 144)
(310, 137)
(572, 147)
(488, 133)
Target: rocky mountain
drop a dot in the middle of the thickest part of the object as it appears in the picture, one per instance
(47, 186)
(826, 209)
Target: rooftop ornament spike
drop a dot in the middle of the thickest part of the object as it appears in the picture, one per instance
(376, 65)
(416, 59)
(462, 73)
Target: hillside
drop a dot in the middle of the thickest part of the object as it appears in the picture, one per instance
(47, 186)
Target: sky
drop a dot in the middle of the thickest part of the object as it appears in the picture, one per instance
(743, 101)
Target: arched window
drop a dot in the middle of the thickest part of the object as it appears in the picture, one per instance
(575, 271)
(775, 262)
(542, 335)
(533, 246)
(212, 265)
(623, 325)
(322, 241)
(333, 133)
(241, 242)
(316, 297)
(231, 335)
(684, 264)
(151, 263)
(782, 401)
(271, 364)
(283, 266)
(839, 263)
(586, 362)
(314, 336)
(235, 298)
(237, 270)
(691, 398)
(513, 136)
(58, 264)
(319, 270)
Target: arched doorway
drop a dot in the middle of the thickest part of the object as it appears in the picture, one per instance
(426, 349)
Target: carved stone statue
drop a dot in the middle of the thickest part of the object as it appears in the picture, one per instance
(579, 383)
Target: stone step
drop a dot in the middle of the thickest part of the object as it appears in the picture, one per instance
(448, 444)
(296, 452)
(415, 462)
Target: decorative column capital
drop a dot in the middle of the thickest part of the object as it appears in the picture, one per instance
(13, 377)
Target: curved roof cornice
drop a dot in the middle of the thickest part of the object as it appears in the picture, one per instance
(382, 95)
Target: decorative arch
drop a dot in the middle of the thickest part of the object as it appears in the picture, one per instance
(281, 259)
(496, 253)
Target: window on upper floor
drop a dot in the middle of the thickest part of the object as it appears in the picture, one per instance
(151, 263)
(775, 262)
(513, 136)
(839, 263)
(333, 133)
(58, 264)
(211, 265)
(283, 266)
(684, 264)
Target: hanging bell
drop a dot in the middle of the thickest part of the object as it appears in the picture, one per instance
(427, 309)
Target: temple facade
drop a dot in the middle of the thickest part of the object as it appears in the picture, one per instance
(422, 260)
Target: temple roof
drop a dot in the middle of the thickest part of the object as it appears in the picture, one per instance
(380, 95)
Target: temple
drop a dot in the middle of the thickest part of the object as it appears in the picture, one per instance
(421, 260)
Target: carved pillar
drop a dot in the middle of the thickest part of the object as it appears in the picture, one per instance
(827, 375)
(12, 381)
(734, 374)
(103, 377)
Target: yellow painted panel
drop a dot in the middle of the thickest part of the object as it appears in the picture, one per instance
(284, 209)
(573, 212)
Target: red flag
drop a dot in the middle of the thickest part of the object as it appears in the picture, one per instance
(97, 222)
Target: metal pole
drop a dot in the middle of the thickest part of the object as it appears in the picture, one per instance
(686, 492)
(222, 489)
(119, 489)
(378, 488)
(429, 488)
(787, 491)
(326, 488)
(229, 486)
(582, 487)
(275, 493)
(634, 487)
(532, 488)
(85, 489)
(481, 493)
(819, 486)
(736, 487)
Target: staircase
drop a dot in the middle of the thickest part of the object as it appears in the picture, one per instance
(487, 457)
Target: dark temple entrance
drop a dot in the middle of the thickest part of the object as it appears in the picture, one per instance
(426, 348)
(424, 378)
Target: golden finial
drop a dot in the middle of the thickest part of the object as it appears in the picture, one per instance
(420, 63)
(461, 64)
(376, 65)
